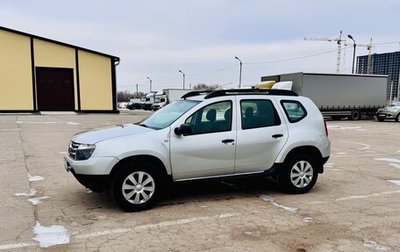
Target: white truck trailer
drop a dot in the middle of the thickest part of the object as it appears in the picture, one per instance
(170, 95)
(339, 95)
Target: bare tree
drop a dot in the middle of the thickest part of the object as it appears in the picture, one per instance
(202, 86)
(125, 96)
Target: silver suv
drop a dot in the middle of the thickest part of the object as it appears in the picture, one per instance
(390, 112)
(215, 135)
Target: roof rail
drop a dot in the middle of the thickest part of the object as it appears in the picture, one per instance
(195, 93)
(253, 91)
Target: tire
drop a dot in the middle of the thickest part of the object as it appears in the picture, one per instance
(397, 117)
(355, 115)
(298, 175)
(137, 186)
(380, 119)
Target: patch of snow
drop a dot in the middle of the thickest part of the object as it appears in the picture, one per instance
(50, 236)
(341, 153)
(73, 123)
(272, 201)
(37, 201)
(374, 245)
(396, 182)
(308, 219)
(34, 178)
(30, 194)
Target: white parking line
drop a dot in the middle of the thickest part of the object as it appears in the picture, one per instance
(272, 201)
(126, 230)
(155, 226)
(364, 196)
(374, 245)
(390, 160)
(364, 146)
(17, 245)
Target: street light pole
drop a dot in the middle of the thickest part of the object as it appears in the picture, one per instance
(137, 90)
(151, 82)
(240, 72)
(183, 78)
(354, 52)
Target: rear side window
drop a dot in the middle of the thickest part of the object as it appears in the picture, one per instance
(258, 113)
(294, 110)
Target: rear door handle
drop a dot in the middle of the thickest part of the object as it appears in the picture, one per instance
(225, 141)
(277, 136)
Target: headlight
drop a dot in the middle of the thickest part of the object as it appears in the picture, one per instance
(84, 151)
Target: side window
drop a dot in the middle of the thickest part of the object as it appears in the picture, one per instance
(294, 110)
(258, 113)
(216, 117)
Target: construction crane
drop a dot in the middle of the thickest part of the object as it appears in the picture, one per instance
(369, 48)
(339, 41)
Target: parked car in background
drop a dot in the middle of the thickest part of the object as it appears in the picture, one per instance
(390, 112)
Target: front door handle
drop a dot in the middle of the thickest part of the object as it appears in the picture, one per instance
(277, 136)
(225, 141)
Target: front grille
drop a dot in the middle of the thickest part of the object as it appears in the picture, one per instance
(72, 148)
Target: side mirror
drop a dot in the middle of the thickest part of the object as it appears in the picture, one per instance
(184, 129)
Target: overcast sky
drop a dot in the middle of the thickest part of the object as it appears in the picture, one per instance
(201, 38)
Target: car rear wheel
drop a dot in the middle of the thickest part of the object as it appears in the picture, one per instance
(298, 175)
(136, 187)
(397, 117)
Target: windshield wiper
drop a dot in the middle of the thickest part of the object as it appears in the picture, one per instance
(142, 124)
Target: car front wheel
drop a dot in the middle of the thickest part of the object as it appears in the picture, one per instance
(298, 175)
(136, 187)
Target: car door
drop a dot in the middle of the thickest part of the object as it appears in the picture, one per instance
(209, 150)
(261, 135)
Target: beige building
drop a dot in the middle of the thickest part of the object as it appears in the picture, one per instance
(39, 74)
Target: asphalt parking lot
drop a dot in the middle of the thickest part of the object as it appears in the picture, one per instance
(355, 205)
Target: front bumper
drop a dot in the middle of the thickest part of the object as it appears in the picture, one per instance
(92, 173)
(385, 115)
(91, 166)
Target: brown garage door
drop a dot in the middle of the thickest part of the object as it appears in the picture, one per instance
(55, 89)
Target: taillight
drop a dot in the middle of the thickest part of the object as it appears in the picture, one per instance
(326, 128)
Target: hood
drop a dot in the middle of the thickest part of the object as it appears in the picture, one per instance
(389, 109)
(95, 136)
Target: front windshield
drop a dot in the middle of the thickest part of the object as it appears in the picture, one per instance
(168, 114)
